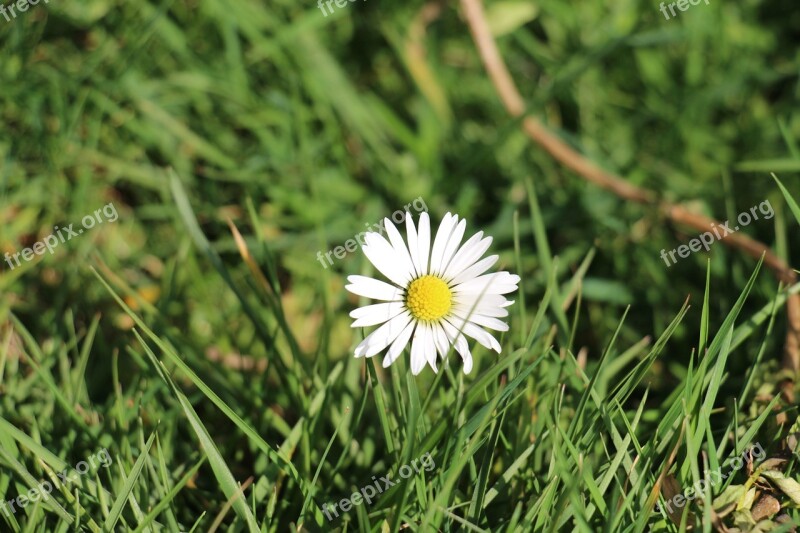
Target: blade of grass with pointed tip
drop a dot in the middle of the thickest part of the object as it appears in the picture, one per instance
(223, 474)
(545, 257)
(44, 455)
(380, 403)
(32, 482)
(789, 200)
(169, 496)
(216, 400)
(749, 326)
(83, 361)
(287, 369)
(45, 374)
(133, 477)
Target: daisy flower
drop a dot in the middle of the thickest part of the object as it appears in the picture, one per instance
(436, 295)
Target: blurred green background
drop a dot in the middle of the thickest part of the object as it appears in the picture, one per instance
(301, 128)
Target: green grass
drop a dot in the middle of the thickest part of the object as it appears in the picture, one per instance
(200, 342)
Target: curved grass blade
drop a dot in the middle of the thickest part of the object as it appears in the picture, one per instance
(223, 474)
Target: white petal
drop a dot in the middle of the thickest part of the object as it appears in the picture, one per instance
(383, 336)
(382, 254)
(373, 288)
(442, 237)
(398, 345)
(467, 255)
(466, 356)
(417, 351)
(485, 321)
(369, 315)
(485, 310)
(475, 270)
(413, 243)
(400, 248)
(480, 335)
(424, 241)
(440, 339)
(429, 346)
(483, 300)
(493, 288)
(462, 347)
(471, 242)
(452, 244)
(495, 283)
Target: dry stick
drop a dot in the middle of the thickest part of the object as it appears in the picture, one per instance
(515, 105)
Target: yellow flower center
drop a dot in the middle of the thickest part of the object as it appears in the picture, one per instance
(428, 298)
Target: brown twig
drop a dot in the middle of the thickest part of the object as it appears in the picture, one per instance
(569, 157)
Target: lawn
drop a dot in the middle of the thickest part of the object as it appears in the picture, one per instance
(187, 189)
